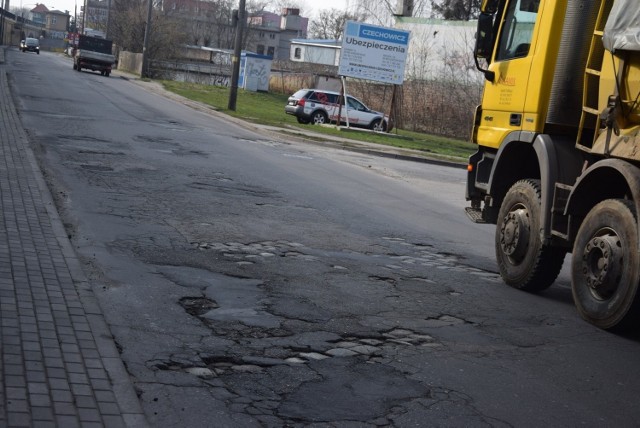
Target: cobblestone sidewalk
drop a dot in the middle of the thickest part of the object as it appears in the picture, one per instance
(59, 365)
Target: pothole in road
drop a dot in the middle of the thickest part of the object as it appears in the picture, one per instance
(185, 152)
(101, 168)
(424, 256)
(153, 139)
(445, 321)
(100, 153)
(197, 306)
(257, 251)
(372, 349)
(368, 347)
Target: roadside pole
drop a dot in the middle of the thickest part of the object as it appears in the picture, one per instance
(392, 111)
(237, 52)
(145, 45)
(2, 21)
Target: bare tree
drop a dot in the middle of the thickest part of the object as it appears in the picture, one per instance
(382, 13)
(284, 4)
(208, 23)
(459, 10)
(22, 12)
(129, 22)
(330, 23)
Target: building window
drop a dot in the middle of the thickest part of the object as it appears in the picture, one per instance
(297, 53)
(272, 36)
(260, 49)
(271, 51)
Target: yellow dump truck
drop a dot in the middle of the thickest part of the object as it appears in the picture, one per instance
(558, 163)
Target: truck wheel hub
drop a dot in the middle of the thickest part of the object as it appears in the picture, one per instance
(514, 235)
(602, 265)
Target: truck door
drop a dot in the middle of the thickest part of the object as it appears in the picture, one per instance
(504, 98)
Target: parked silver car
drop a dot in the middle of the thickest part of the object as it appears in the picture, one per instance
(318, 106)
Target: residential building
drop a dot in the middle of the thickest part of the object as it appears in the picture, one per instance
(315, 51)
(96, 15)
(39, 14)
(271, 33)
(55, 22)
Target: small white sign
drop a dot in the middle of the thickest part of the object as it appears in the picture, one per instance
(373, 53)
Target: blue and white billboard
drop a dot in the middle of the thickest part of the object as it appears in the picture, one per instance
(373, 53)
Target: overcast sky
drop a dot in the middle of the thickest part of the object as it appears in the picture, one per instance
(309, 7)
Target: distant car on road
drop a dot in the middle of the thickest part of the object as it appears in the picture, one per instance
(30, 44)
(319, 106)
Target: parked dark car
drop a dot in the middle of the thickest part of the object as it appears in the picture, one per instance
(319, 106)
(31, 45)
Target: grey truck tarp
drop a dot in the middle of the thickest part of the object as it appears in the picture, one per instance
(622, 30)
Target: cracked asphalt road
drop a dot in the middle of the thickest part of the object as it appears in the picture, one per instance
(254, 281)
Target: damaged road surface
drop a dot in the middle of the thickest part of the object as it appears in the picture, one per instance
(250, 280)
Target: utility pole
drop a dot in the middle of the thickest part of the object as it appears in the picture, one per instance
(106, 33)
(84, 16)
(2, 21)
(235, 59)
(145, 45)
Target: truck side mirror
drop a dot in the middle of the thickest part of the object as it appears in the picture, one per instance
(484, 36)
(484, 43)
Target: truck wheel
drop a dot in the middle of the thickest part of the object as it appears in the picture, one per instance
(319, 117)
(605, 270)
(524, 262)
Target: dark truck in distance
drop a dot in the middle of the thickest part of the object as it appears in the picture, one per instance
(93, 53)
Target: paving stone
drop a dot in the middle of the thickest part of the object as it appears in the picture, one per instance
(47, 346)
(365, 349)
(341, 352)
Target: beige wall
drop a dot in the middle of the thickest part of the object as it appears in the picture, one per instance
(7, 27)
(61, 22)
(131, 62)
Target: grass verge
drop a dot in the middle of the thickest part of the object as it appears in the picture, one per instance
(268, 109)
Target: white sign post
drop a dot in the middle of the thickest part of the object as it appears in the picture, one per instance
(373, 53)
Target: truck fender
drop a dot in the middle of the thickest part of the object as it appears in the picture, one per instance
(559, 162)
(605, 179)
(556, 162)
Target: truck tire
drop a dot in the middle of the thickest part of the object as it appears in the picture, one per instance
(524, 262)
(605, 270)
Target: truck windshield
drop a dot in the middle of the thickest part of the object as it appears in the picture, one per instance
(517, 29)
